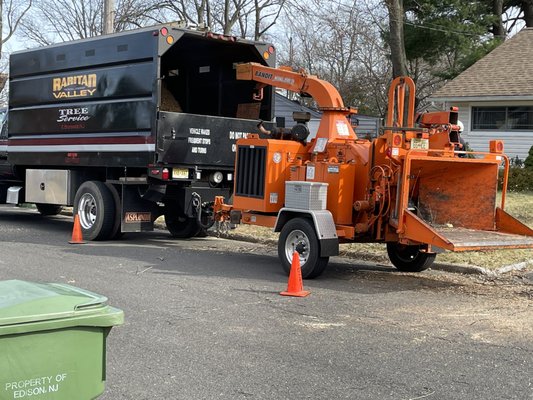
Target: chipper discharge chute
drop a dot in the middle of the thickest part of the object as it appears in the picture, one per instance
(413, 188)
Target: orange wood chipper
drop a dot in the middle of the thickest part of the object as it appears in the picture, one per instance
(411, 188)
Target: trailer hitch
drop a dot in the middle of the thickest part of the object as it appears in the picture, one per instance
(200, 208)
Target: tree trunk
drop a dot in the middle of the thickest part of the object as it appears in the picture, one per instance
(396, 40)
(1, 26)
(498, 30)
(527, 8)
(257, 24)
(227, 26)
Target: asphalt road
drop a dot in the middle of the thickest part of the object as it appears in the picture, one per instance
(204, 320)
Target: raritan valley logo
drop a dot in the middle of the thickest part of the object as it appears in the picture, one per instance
(74, 86)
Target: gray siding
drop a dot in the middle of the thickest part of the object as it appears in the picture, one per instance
(285, 107)
(368, 126)
(516, 143)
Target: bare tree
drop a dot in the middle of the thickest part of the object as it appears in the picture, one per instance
(244, 18)
(12, 12)
(267, 13)
(52, 21)
(345, 47)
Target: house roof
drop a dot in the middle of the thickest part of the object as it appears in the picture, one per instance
(505, 72)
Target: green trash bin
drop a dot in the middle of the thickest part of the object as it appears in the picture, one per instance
(53, 341)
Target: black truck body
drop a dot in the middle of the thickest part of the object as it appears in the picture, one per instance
(148, 118)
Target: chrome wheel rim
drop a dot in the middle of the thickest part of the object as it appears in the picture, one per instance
(87, 211)
(298, 241)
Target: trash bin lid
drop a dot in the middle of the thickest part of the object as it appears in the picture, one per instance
(23, 302)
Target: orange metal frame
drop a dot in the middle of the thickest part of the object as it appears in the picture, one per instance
(333, 125)
(376, 182)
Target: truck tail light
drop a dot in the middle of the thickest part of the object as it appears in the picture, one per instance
(165, 174)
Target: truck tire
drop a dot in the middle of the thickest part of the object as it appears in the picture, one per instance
(95, 207)
(299, 235)
(409, 258)
(116, 233)
(48, 209)
(181, 226)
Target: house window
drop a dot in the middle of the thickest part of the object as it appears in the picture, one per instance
(502, 118)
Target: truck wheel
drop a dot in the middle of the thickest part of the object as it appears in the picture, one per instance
(116, 233)
(95, 206)
(409, 258)
(180, 226)
(299, 235)
(48, 209)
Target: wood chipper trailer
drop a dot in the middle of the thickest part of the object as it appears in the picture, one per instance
(410, 188)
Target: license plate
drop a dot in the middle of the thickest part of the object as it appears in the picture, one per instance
(180, 173)
(421, 144)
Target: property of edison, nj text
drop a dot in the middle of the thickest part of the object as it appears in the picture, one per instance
(31, 388)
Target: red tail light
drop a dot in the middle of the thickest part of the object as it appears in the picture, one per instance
(397, 140)
(165, 174)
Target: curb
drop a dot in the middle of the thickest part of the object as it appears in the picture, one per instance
(463, 269)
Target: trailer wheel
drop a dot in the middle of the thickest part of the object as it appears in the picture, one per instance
(95, 207)
(181, 226)
(409, 258)
(48, 209)
(299, 235)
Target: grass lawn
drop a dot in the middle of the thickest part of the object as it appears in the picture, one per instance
(520, 205)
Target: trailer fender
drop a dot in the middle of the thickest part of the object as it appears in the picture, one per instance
(324, 226)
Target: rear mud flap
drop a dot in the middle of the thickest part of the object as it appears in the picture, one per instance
(137, 214)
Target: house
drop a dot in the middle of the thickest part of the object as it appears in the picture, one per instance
(283, 109)
(495, 97)
(366, 126)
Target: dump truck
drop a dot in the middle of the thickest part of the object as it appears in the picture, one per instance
(129, 126)
(412, 188)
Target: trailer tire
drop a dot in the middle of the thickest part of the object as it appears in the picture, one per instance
(408, 258)
(299, 234)
(181, 226)
(95, 207)
(48, 209)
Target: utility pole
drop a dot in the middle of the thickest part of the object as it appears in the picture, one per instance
(109, 16)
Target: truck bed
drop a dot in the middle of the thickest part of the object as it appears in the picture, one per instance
(132, 99)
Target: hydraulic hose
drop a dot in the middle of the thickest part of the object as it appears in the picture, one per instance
(197, 206)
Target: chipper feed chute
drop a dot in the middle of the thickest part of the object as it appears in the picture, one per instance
(446, 197)
(451, 204)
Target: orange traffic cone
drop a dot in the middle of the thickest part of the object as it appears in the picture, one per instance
(77, 237)
(295, 287)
